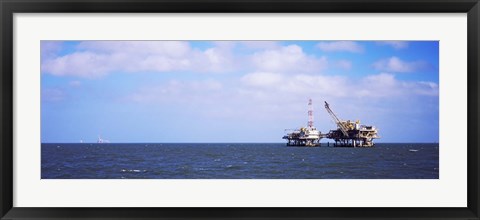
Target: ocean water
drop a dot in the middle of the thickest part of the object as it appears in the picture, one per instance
(237, 161)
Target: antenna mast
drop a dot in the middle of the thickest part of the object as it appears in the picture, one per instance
(310, 113)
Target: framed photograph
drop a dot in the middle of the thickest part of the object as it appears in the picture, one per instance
(231, 109)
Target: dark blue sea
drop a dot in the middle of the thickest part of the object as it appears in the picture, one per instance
(237, 161)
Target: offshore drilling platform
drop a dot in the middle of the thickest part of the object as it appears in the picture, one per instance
(308, 136)
(347, 134)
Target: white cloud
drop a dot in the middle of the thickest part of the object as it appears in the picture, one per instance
(178, 91)
(395, 64)
(219, 59)
(96, 59)
(209, 85)
(164, 48)
(384, 79)
(337, 46)
(387, 86)
(282, 86)
(288, 59)
(395, 44)
(84, 64)
(424, 88)
(262, 79)
(75, 83)
(50, 48)
(99, 58)
(344, 64)
(379, 85)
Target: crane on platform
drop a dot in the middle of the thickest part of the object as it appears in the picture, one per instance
(350, 133)
(339, 123)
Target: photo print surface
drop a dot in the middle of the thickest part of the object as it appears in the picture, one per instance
(239, 109)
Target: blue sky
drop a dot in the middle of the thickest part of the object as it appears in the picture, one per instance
(235, 91)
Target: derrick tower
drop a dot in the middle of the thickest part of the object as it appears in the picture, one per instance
(310, 113)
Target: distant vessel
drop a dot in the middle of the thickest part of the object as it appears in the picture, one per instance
(102, 141)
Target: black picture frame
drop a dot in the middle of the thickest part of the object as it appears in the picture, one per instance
(9, 7)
